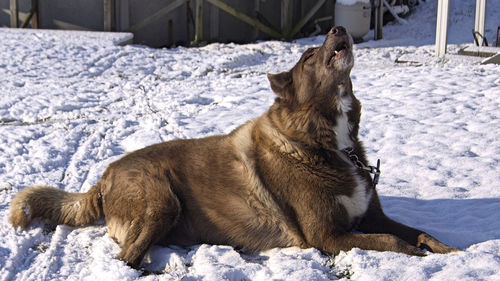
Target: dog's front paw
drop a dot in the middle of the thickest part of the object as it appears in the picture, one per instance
(425, 241)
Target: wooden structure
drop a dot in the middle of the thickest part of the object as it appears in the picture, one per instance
(14, 13)
(287, 31)
(292, 17)
(32, 15)
(442, 27)
(442, 24)
(480, 19)
(491, 54)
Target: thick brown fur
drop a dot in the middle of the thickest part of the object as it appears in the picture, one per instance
(277, 181)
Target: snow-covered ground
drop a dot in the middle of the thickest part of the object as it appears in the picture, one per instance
(73, 102)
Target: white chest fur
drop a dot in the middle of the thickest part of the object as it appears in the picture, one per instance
(343, 128)
(356, 204)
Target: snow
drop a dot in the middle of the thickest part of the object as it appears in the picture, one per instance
(73, 102)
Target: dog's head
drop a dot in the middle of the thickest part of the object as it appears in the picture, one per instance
(316, 95)
(321, 74)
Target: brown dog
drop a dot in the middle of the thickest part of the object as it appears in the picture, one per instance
(280, 180)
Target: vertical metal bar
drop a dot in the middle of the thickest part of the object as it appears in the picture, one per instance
(480, 19)
(14, 13)
(442, 27)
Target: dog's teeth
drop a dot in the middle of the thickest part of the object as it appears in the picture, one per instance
(335, 52)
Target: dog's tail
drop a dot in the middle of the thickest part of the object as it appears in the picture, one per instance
(56, 206)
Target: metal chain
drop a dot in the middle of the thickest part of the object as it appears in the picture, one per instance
(375, 170)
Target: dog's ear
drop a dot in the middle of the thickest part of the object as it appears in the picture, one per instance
(281, 84)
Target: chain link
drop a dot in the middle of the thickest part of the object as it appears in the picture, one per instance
(375, 170)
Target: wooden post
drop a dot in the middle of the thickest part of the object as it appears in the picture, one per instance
(379, 19)
(170, 33)
(286, 17)
(442, 27)
(198, 21)
(14, 13)
(480, 19)
(34, 18)
(108, 15)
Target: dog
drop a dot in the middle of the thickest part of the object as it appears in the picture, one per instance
(280, 180)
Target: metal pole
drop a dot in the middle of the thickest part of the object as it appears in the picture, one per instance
(480, 19)
(442, 27)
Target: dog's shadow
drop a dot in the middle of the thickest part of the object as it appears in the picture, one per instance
(457, 222)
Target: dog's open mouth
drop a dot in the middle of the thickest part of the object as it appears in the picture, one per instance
(340, 49)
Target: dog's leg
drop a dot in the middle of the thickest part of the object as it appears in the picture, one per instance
(141, 236)
(142, 217)
(375, 221)
(377, 242)
(333, 237)
(345, 241)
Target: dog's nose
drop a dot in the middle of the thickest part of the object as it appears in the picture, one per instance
(338, 31)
